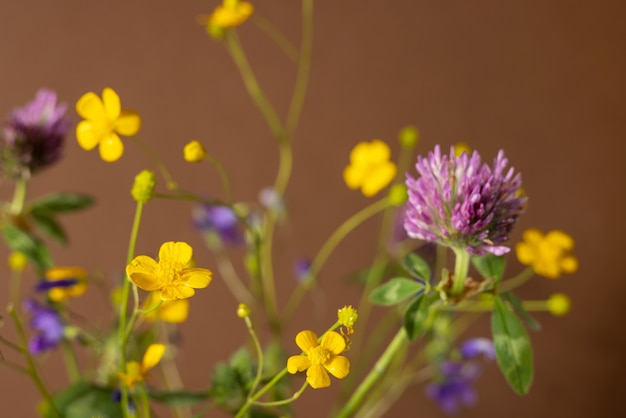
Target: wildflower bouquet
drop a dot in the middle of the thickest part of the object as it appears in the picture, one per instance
(445, 222)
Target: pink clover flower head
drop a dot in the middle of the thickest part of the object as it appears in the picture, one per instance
(460, 202)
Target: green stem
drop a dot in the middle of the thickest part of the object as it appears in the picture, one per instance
(32, 368)
(259, 352)
(14, 366)
(276, 36)
(329, 246)
(11, 345)
(231, 278)
(285, 401)
(170, 182)
(260, 393)
(395, 346)
(516, 281)
(223, 176)
(71, 363)
(461, 267)
(19, 197)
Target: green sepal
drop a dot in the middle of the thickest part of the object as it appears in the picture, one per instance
(513, 350)
(49, 226)
(395, 291)
(60, 203)
(179, 398)
(518, 307)
(490, 266)
(29, 245)
(416, 266)
(82, 400)
(416, 317)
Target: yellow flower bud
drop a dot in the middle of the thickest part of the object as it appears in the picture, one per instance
(243, 311)
(462, 147)
(143, 188)
(398, 195)
(409, 135)
(347, 316)
(17, 261)
(194, 152)
(559, 304)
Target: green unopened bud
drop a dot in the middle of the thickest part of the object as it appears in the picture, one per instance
(398, 195)
(409, 135)
(243, 311)
(143, 188)
(559, 304)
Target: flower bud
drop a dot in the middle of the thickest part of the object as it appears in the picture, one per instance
(398, 195)
(143, 188)
(17, 261)
(194, 152)
(347, 316)
(559, 304)
(243, 311)
(409, 135)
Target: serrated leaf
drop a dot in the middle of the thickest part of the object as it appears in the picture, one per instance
(489, 266)
(513, 349)
(416, 266)
(518, 307)
(50, 227)
(416, 317)
(61, 202)
(395, 291)
(179, 398)
(33, 248)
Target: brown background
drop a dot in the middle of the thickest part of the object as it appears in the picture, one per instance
(542, 79)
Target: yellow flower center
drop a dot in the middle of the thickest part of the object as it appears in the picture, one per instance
(319, 355)
(170, 270)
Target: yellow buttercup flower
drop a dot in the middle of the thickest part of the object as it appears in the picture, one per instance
(104, 121)
(136, 372)
(230, 14)
(370, 169)
(548, 255)
(172, 311)
(68, 289)
(170, 274)
(194, 152)
(319, 359)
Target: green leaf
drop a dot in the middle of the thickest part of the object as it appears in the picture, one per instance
(61, 202)
(490, 266)
(82, 400)
(416, 266)
(33, 248)
(416, 317)
(395, 291)
(513, 349)
(50, 226)
(518, 307)
(179, 398)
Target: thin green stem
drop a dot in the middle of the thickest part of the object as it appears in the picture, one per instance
(71, 364)
(232, 279)
(11, 345)
(170, 182)
(461, 267)
(14, 366)
(145, 402)
(279, 39)
(16, 281)
(223, 176)
(396, 346)
(516, 281)
(329, 246)
(19, 197)
(30, 362)
(259, 352)
(285, 401)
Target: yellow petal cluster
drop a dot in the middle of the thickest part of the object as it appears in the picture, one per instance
(170, 274)
(319, 359)
(229, 14)
(370, 169)
(549, 254)
(104, 122)
(136, 372)
(60, 294)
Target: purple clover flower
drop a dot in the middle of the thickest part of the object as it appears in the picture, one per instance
(220, 221)
(49, 324)
(461, 202)
(34, 135)
(455, 386)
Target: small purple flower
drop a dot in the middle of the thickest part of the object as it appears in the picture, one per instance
(49, 324)
(454, 386)
(302, 268)
(44, 286)
(461, 202)
(477, 346)
(34, 135)
(220, 221)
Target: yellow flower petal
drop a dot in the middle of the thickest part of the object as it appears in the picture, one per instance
(333, 342)
(197, 277)
(174, 311)
(176, 292)
(298, 364)
(525, 253)
(111, 148)
(338, 366)
(560, 239)
(569, 264)
(153, 355)
(317, 377)
(111, 102)
(58, 294)
(60, 273)
(179, 252)
(90, 107)
(143, 272)
(378, 179)
(306, 340)
(88, 135)
(359, 153)
(128, 123)
(532, 236)
(378, 152)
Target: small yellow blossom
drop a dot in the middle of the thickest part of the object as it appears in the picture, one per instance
(559, 304)
(347, 316)
(194, 152)
(319, 359)
(62, 293)
(548, 255)
(462, 147)
(172, 311)
(230, 14)
(143, 187)
(243, 310)
(170, 274)
(136, 372)
(104, 121)
(17, 261)
(370, 169)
